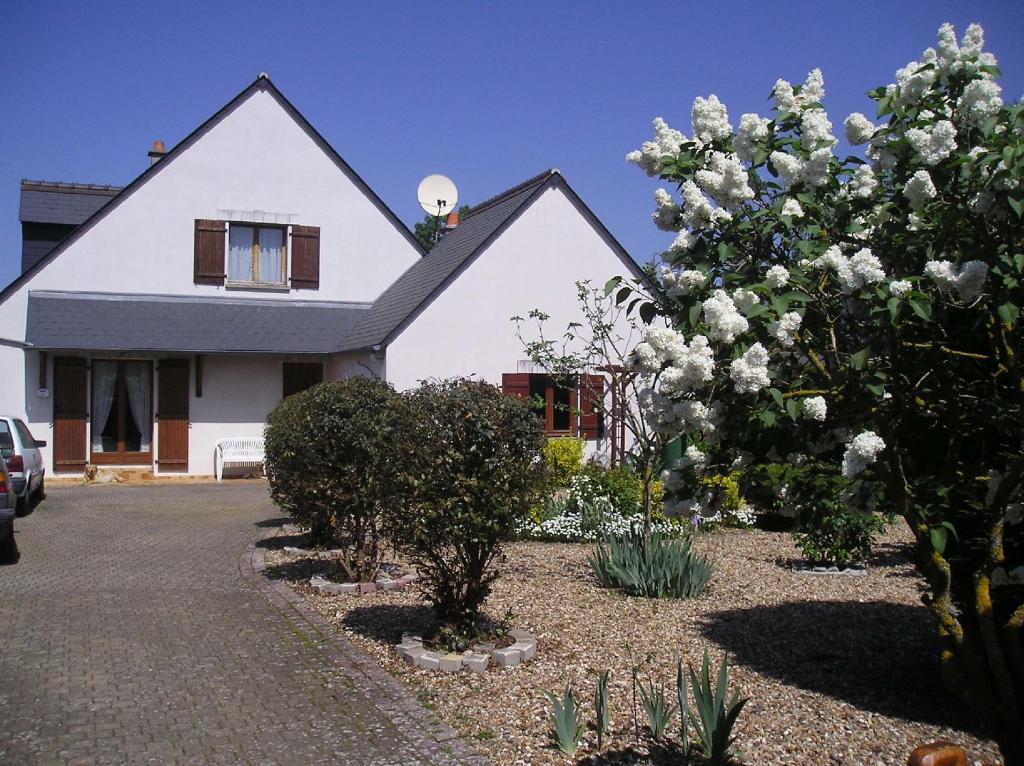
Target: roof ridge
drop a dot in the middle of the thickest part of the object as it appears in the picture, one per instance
(537, 179)
(68, 186)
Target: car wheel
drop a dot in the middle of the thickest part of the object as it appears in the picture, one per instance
(40, 494)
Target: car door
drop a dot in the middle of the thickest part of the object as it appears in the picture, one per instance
(31, 454)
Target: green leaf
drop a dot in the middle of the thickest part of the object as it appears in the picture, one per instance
(922, 308)
(622, 294)
(610, 285)
(768, 418)
(859, 360)
(695, 310)
(938, 538)
(1009, 313)
(776, 394)
(1008, 157)
(647, 312)
(1017, 205)
(793, 409)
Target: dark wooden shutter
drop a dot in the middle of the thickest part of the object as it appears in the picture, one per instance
(70, 413)
(591, 393)
(516, 384)
(209, 252)
(306, 257)
(172, 447)
(298, 376)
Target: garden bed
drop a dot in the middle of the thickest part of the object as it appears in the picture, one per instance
(839, 670)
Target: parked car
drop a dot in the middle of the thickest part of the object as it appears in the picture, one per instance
(20, 451)
(8, 502)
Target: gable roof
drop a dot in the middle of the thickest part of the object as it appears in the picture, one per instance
(63, 203)
(120, 322)
(262, 82)
(422, 282)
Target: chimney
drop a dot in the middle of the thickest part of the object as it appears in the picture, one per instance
(157, 152)
(452, 220)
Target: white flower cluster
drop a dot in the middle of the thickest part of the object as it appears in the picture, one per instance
(681, 282)
(698, 213)
(745, 300)
(683, 242)
(749, 372)
(812, 91)
(690, 365)
(968, 281)
(570, 527)
(777, 276)
(811, 172)
(899, 286)
(919, 189)
(855, 272)
(934, 143)
(721, 313)
(859, 129)
(753, 129)
(666, 142)
(666, 214)
(710, 119)
(725, 180)
(792, 208)
(863, 182)
(862, 451)
(816, 128)
(979, 101)
(697, 458)
(785, 329)
(815, 408)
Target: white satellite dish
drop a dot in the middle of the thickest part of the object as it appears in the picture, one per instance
(437, 195)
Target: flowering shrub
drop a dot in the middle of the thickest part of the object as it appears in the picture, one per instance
(864, 316)
(563, 459)
(571, 527)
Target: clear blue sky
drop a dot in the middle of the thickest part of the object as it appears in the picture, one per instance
(487, 93)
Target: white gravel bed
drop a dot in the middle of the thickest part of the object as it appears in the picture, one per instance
(840, 670)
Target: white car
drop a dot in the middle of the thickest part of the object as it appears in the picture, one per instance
(25, 467)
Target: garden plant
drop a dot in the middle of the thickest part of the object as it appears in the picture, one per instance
(860, 316)
(328, 452)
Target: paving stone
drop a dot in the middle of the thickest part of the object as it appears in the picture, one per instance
(476, 662)
(367, 587)
(451, 663)
(526, 651)
(129, 637)
(428, 660)
(506, 657)
(522, 637)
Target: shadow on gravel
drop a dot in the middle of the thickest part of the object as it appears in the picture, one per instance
(278, 542)
(301, 569)
(276, 522)
(387, 622)
(877, 656)
(658, 754)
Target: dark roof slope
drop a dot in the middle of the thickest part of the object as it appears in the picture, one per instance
(262, 82)
(119, 322)
(57, 202)
(426, 277)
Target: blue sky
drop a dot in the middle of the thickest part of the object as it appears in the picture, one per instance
(487, 93)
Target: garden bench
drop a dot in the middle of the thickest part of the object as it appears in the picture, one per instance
(238, 451)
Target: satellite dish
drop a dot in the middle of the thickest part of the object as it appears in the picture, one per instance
(437, 195)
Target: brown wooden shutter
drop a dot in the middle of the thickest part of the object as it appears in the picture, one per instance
(70, 413)
(591, 393)
(516, 384)
(306, 257)
(209, 252)
(299, 376)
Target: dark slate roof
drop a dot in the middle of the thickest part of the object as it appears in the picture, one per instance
(117, 322)
(57, 202)
(425, 278)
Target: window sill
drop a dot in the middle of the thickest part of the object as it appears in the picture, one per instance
(258, 286)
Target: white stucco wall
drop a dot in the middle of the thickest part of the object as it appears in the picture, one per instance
(535, 263)
(256, 163)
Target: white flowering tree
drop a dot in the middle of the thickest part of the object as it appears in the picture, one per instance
(863, 317)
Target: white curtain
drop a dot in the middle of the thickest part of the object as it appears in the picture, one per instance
(104, 381)
(240, 255)
(271, 252)
(136, 381)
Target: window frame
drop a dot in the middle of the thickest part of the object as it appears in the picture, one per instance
(549, 405)
(255, 256)
(121, 456)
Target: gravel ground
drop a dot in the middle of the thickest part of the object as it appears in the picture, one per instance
(840, 670)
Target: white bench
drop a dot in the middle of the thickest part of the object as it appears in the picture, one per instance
(242, 451)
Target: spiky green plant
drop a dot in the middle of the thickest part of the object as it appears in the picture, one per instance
(659, 712)
(652, 566)
(715, 718)
(601, 720)
(682, 704)
(567, 721)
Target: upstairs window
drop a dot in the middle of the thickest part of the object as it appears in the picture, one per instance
(257, 254)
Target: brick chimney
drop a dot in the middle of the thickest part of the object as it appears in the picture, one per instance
(157, 152)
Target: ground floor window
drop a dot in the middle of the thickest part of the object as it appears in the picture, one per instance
(298, 376)
(568, 407)
(555, 403)
(122, 408)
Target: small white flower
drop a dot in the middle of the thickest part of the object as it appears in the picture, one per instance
(968, 281)
(749, 372)
(697, 458)
(934, 143)
(862, 451)
(753, 129)
(899, 286)
(777, 276)
(721, 314)
(815, 408)
(919, 189)
(666, 216)
(863, 183)
(859, 129)
(666, 143)
(710, 119)
(793, 208)
(979, 101)
(785, 329)
(816, 128)
(683, 242)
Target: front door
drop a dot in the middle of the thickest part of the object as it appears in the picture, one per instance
(172, 447)
(70, 414)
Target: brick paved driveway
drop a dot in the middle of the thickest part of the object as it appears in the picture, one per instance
(128, 635)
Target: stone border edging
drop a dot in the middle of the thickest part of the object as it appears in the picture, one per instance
(525, 647)
(379, 687)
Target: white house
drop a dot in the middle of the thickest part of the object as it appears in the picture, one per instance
(250, 262)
